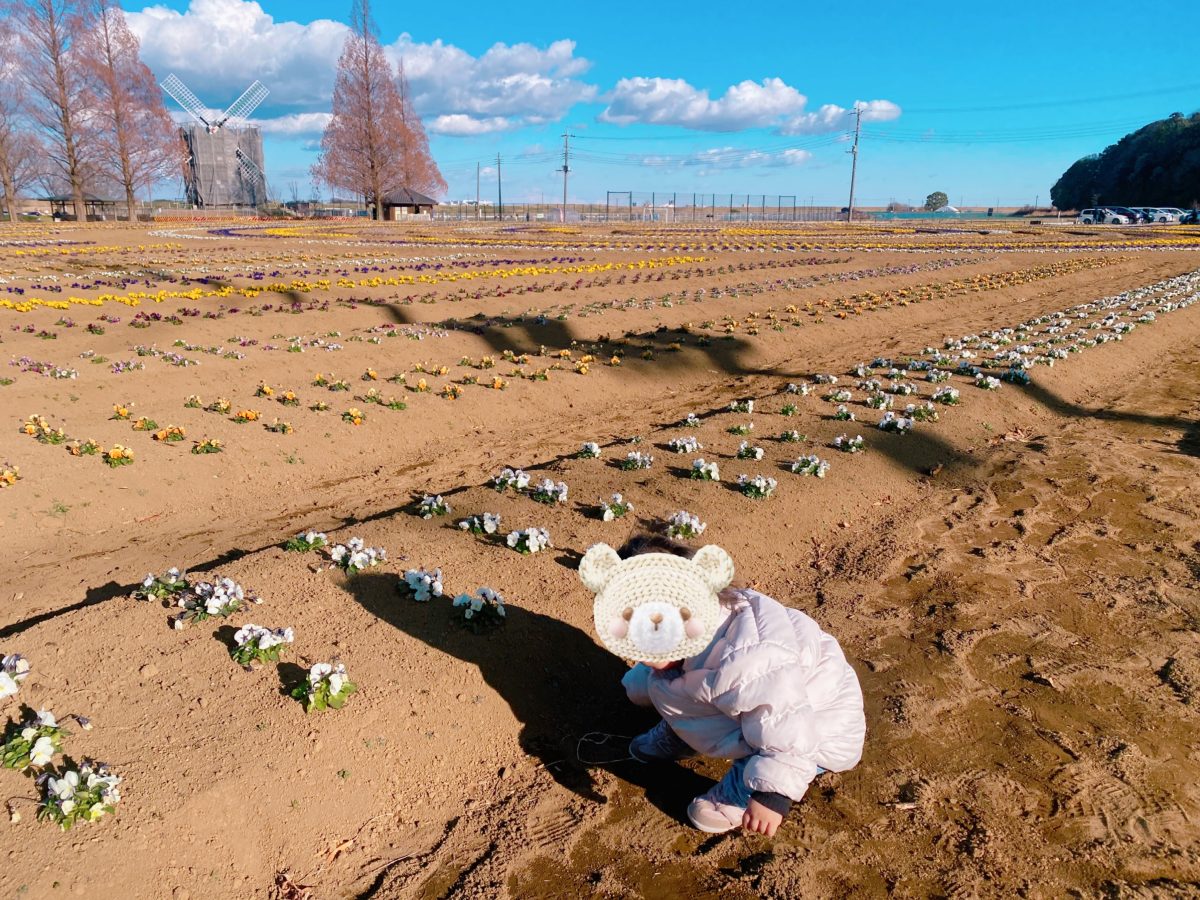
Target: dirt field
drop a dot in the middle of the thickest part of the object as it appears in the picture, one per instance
(1017, 583)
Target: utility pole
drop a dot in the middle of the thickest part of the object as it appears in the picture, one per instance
(854, 161)
(499, 192)
(565, 169)
(476, 190)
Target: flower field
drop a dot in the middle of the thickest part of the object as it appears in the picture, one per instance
(365, 460)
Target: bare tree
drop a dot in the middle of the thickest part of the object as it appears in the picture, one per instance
(362, 149)
(137, 141)
(19, 149)
(56, 87)
(420, 172)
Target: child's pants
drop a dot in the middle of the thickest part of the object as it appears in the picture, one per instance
(732, 788)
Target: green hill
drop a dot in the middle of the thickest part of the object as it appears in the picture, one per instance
(1158, 165)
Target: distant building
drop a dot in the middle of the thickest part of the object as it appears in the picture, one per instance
(404, 202)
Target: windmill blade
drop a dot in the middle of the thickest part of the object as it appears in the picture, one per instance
(185, 98)
(245, 104)
(251, 172)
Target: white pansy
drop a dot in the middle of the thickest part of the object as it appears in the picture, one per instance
(810, 465)
(637, 460)
(849, 444)
(529, 540)
(433, 505)
(758, 488)
(684, 524)
(485, 523)
(424, 584)
(550, 491)
(41, 752)
(748, 451)
(510, 478)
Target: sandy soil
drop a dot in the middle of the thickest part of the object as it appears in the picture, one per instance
(1017, 584)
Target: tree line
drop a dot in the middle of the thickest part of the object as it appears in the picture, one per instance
(1159, 164)
(81, 113)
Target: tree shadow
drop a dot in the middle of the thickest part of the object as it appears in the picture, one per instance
(559, 683)
(1189, 441)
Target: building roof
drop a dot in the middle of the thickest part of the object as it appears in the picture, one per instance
(407, 197)
(88, 198)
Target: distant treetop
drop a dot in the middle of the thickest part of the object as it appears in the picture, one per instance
(1159, 164)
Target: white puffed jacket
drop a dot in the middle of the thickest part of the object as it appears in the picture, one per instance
(771, 685)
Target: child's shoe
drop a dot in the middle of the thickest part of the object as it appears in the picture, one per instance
(659, 744)
(715, 812)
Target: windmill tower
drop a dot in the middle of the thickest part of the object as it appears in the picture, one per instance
(225, 155)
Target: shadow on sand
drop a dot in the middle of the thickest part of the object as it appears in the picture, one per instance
(559, 683)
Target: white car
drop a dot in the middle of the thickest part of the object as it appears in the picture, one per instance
(1158, 214)
(1101, 217)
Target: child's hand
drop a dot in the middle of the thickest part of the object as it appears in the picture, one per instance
(758, 818)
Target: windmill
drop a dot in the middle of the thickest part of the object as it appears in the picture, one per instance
(225, 165)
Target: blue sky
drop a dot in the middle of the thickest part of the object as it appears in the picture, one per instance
(705, 97)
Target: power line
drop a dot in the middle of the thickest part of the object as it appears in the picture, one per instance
(1002, 137)
(1043, 104)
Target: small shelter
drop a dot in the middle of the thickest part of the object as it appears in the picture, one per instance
(404, 202)
(95, 208)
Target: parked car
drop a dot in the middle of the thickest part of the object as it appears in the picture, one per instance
(1190, 218)
(1130, 214)
(1102, 216)
(1156, 214)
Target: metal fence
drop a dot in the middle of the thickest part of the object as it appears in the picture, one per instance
(653, 206)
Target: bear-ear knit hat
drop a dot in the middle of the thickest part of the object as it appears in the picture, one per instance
(656, 607)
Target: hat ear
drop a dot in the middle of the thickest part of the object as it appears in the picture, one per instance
(716, 566)
(597, 567)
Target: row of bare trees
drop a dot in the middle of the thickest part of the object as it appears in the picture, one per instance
(375, 142)
(79, 111)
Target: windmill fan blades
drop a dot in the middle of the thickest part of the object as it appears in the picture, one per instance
(182, 95)
(244, 105)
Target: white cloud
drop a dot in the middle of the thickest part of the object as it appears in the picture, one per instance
(217, 47)
(723, 158)
(672, 101)
(295, 124)
(521, 81)
(769, 104)
(462, 125)
(792, 157)
(837, 118)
